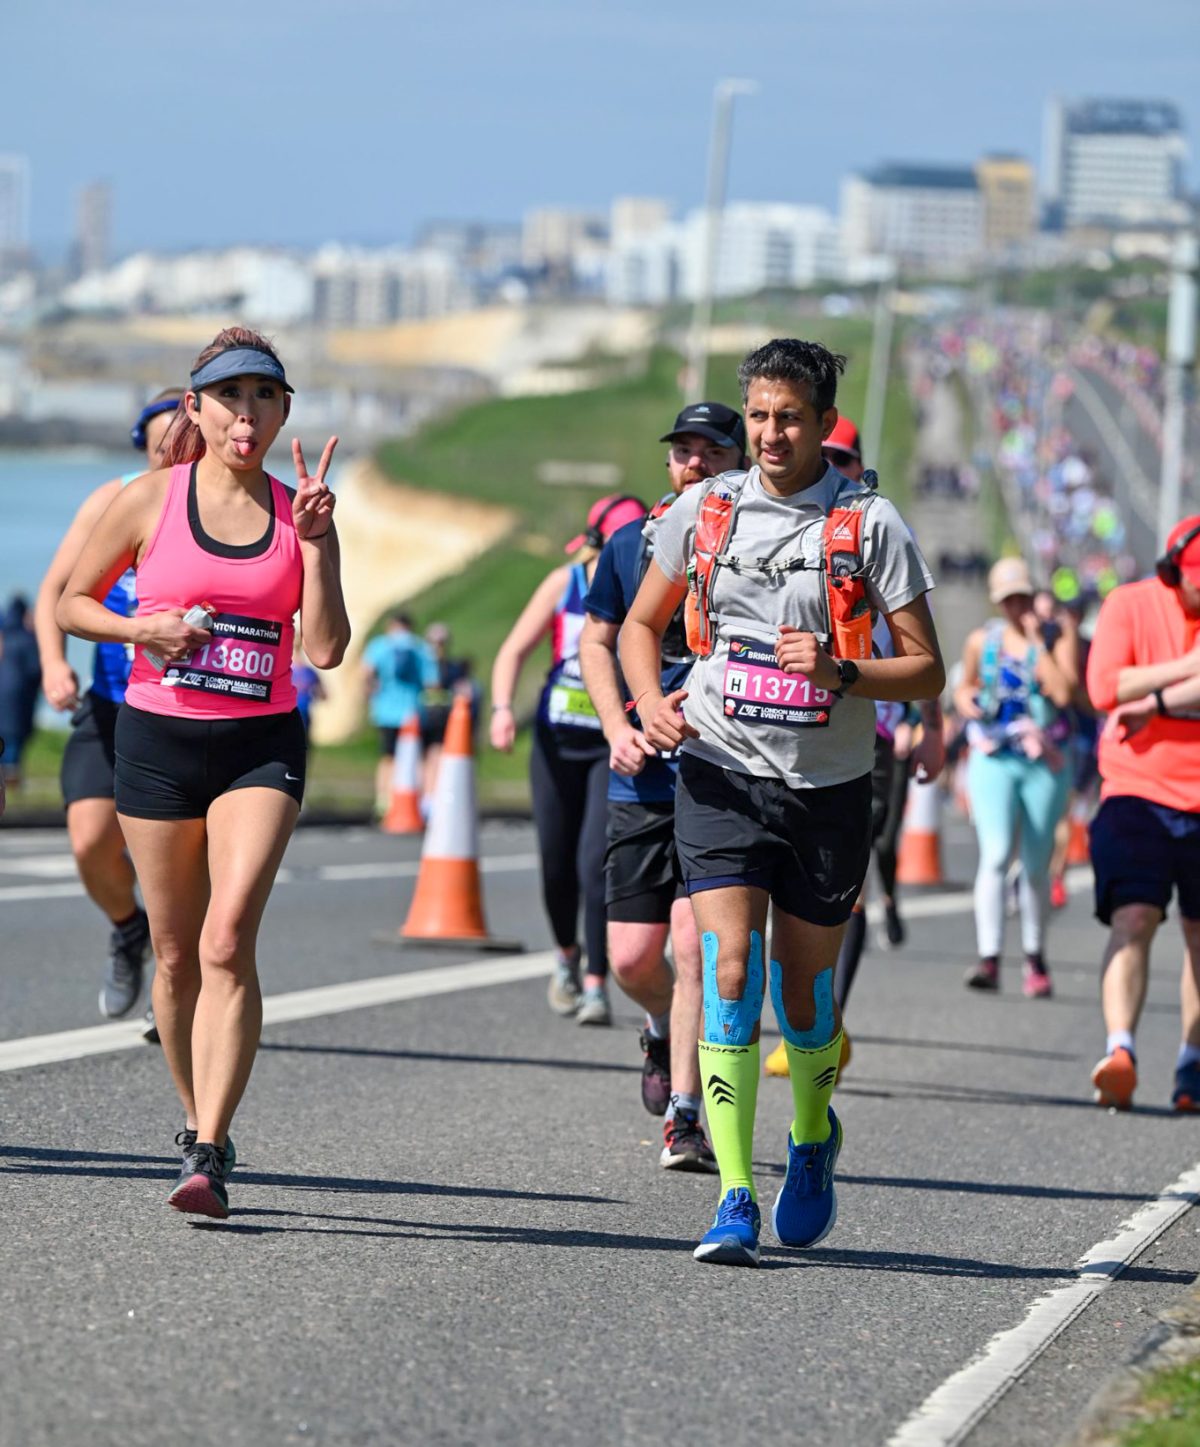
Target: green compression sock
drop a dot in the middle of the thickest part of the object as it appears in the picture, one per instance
(814, 1074)
(730, 1077)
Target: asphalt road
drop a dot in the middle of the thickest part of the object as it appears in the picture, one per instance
(449, 1225)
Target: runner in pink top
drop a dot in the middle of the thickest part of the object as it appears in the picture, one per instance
(245, 669)
(210, 749)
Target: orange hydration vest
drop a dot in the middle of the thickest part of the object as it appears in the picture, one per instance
(847, 605)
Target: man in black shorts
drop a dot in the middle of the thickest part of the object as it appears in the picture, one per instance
(782, 571)
(889, 781)
(644, 892)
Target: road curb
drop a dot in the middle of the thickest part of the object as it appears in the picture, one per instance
(1172, 1342)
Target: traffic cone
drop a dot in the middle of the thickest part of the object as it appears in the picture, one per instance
(919, 860)
(1079, 849)
(447, 908)
(404, 811)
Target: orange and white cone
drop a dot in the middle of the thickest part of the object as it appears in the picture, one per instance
(919, 860)
(1079, 849)
(447, 907)
(404, 811)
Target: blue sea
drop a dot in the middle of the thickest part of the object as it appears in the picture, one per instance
(40, 492)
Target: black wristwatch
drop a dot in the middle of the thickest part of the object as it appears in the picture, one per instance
(848, 673)
(1162, 707)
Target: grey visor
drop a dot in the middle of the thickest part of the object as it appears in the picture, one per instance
(239, 362)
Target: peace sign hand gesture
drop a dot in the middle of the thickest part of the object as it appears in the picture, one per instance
(312, 507)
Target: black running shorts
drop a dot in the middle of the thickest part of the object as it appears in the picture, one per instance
(89, 757)
(808, 848)
(1143, 852)
(641, 871)
(173, 768)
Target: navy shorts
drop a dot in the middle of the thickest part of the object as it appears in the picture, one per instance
(641, 872)
(808, 848)
(1141, 851)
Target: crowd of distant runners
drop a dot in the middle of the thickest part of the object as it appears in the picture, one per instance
(745, 676)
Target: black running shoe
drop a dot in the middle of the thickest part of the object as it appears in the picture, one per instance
(656, 1073)
(685, 1146)
(127, 950)
(893, 925)
(186, 1141)
(149, 1028)
(200, 1189)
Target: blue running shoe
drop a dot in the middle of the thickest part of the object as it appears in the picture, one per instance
(1186, 1097)
(806, 1208)
(733, 1240)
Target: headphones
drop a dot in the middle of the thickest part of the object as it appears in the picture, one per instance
(1167, 567)
(593, 537)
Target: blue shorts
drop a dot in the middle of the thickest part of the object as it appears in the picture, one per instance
(1141, 851)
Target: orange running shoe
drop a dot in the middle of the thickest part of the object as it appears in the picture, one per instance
(1115, 1079)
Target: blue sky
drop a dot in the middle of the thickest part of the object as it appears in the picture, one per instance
(356, 119)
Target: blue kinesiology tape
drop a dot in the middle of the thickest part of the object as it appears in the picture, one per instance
(822, 1030)
(732, 1022)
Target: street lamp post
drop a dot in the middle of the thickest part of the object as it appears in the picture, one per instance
(1181, 354)
(880, 365)
(696, 377)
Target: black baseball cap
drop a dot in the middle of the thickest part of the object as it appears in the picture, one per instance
(713, 420)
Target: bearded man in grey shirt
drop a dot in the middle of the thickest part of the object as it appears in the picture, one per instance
(773, 806)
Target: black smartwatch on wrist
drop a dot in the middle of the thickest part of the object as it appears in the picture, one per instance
(848, 674)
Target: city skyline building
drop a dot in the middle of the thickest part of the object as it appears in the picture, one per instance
(14, 210)
(760, 245)
(913, 214)
(93, 229)
(1009, 190)
(1113, 163)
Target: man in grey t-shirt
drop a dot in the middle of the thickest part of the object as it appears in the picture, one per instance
(774, 795)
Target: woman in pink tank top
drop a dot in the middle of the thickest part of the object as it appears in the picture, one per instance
(210, 750)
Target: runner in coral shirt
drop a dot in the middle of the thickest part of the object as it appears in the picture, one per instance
(1146, 837)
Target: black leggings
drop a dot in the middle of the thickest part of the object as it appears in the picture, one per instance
(886, 840)
(570, 811)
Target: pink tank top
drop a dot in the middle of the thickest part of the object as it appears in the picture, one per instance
(247, 668)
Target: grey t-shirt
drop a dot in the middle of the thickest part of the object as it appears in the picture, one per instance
(753, 717)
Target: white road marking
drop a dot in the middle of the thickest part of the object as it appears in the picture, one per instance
(326, 873)
(39, 866)
(409, 868)
(949, 1413)
(17, 892)
(294, 1005)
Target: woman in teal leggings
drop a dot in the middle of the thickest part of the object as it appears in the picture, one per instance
(1013, 690)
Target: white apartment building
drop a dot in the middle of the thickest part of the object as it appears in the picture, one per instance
(759, 245)
(360, 288)
(1114, 163)
(264, 287)
(925, 216)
